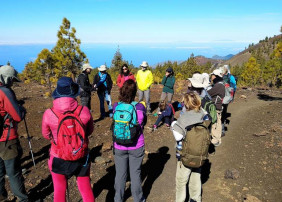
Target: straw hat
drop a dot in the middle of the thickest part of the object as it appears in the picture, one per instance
(144, 64)
(197, 80)
(86, 66)
(102, 68)
(217, 72)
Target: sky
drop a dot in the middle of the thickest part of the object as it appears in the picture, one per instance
(156, 24)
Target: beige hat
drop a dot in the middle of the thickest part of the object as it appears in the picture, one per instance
(217, 72)
(206, 78)
(86, 66)
(197, 80)
(102, 68)
(144, 64)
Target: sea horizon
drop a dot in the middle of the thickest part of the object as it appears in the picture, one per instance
(102, 53)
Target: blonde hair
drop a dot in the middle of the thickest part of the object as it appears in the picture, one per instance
(162, 105)
(192, 101)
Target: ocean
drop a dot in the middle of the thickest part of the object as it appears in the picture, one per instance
(98, 54)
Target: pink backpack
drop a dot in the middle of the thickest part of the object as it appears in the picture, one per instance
(72, 143)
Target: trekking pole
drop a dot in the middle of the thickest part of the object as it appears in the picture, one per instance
(29, 143)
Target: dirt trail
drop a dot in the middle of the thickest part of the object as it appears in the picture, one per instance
(240, 150)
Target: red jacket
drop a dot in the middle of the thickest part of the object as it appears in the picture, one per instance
(9, 104)
(121, 79)
(50, 121)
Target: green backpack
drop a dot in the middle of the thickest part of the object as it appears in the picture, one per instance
(210, 108)
(195, 145)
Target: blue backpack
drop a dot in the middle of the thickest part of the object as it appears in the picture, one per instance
(125, 125)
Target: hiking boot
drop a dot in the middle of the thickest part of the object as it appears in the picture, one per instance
(154, 128)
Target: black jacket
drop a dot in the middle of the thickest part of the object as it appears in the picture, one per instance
(102, 88)
(84, 84)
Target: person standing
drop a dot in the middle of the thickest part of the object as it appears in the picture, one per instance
(168, 83)
(60, 164)
(192, 116)
(228, 80)
(144, 80)
(129, 156)
(10, 147)
(103, 84)
(124, 75)
(85, 86)
(217, 93)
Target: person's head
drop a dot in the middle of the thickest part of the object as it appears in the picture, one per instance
(128, 91)
(162, 105)
(8, 75)
(169, 71)
(225, 69)
(124, 69)
(192, 101)
(144, 65)
(102, 69)
(66, 88)
(86, 68)
(196, 83)
(216, 76)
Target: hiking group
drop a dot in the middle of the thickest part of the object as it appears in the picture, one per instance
(68, 124)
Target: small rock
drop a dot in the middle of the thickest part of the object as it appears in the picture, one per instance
(250, 198)
(232, 174)
(249, 89)
(245, 189)
(243, 97)
(127, 185)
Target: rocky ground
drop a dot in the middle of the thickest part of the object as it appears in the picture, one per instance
(246, 167)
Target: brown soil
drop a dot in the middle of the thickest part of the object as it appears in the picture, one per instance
(252, 145)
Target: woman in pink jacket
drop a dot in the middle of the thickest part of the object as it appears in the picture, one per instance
(61, 170)
(124, 75)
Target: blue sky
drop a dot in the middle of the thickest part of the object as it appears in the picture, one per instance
(172, 22)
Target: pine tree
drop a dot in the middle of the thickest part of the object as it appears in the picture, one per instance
(117, 61)
(67, 53)
(252, 73)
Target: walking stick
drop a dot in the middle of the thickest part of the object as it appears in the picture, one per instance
(29, 138)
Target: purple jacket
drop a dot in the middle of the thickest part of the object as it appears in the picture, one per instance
(141, 116)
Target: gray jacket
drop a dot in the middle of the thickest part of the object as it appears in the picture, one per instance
(188, 118)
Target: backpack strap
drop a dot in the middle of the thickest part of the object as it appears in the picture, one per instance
(78, 110)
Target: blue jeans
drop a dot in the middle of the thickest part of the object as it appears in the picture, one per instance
(13, 169)
(102, 97)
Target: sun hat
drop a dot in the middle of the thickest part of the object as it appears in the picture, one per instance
(217, 72)
(102, 68)
(197, 80)
(66, 88)
(206, 78)
(8, 73)
(86, 66)
(144, 64)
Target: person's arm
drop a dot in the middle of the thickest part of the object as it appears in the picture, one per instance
(119, 81)
(164, 80)
(89, 124)
(11, 106)
(45, 129)
(132, 77)
(110, 83)
(233, 82)
(141, 114)
(150, 79)
(102, 80)
(81, 81)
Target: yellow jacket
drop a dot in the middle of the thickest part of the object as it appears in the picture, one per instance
(144, 79)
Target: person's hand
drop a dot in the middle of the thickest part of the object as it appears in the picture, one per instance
(159, 113)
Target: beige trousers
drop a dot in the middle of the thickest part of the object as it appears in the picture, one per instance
(183, 175)
(216, 129)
